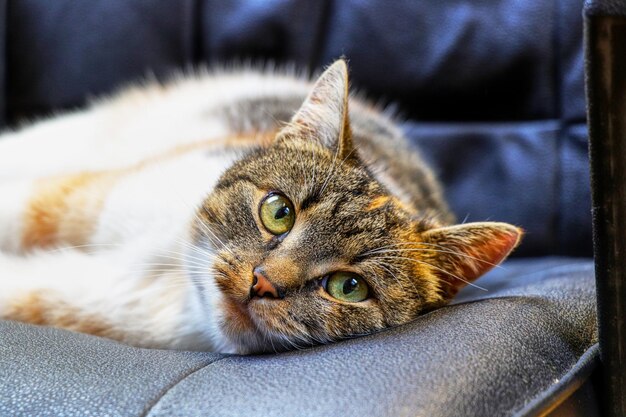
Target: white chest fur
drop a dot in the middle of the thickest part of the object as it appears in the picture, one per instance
(160, 200)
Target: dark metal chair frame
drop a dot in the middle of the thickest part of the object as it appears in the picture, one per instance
(605, 43)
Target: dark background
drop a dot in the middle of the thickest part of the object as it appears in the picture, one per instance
(491, 90)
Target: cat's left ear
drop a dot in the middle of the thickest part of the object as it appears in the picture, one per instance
(324, 114)
(462, 253)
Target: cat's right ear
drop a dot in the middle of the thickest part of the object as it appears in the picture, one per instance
(463, 252)
(323, 116)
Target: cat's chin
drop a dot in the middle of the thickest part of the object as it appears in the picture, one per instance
(244, 328)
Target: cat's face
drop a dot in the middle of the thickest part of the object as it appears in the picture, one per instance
(309, 247)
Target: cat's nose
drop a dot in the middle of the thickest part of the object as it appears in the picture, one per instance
(261, 285)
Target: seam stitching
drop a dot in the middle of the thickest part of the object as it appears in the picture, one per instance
(173, 385)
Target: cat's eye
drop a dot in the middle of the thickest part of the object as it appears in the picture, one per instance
(277, 214)
(346, 286)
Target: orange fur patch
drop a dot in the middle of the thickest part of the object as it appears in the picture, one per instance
(64, 209)
(401, 205)
(378, 202)
(36, 308)
(49, 206)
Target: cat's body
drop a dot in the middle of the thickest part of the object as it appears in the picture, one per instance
(106, 226)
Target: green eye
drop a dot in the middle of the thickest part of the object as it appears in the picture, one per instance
(346, 286)
(277, 214)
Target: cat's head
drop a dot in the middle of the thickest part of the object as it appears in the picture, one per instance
(309, 247)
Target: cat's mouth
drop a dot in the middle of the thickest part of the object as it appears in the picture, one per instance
(247, 321)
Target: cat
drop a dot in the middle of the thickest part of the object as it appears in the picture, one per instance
(240, 212)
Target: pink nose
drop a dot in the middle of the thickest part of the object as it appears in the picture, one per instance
(261, 286)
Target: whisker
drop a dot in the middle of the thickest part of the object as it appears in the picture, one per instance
(383, 266)
(443, 249)
(334, 167)
(89, 245)
(436, 251)
(437, 268)
(190, 259)
(375, 283)
(172, 267)
(208, 230)
(194, 248)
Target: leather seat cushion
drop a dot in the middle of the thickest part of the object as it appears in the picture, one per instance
(494, 352)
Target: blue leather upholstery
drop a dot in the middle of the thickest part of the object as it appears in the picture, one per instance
(500, 81)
